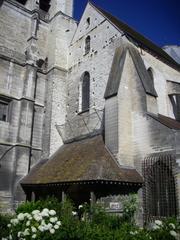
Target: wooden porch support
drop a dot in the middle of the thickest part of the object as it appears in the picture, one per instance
(92, 198)
(63, 197)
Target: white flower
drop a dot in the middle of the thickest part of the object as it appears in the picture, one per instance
(52, 212)
(49, 225)
(44, 214)
(58, 223)
(52, 231)
(14, 221)
(45, 210)
(155, 227)
(20, 216)
(37, 217)
(26, 232)
(34, 236)
(56, 226)
(27, 215)
(53, 219)
(43, 223)
(19, 234)
(74, 213)
(46, 227)
(158, 222)
(41, 228)
(10, 237)
(9, 225)
(28, 223)
(33, 229)
(35, 212)
(4, 239)
(80, 206)
(83, 219)
(172, 225)
(173, 233)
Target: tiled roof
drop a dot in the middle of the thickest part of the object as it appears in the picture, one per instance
(85, 160)
(167, 121)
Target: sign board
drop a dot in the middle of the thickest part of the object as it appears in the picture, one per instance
(114, 205)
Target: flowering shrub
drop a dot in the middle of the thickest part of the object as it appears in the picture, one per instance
(80, 223)
(130, 204)
(34, 225)
(169, 229)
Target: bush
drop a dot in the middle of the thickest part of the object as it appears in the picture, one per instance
(4, 220)
(49, 202)
(35, 221)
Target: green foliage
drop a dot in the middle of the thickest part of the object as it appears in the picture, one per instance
(167, 229)
(89, 223)
(49, 202)
(130, 204)
(4, 220)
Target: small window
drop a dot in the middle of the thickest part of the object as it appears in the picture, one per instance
(22, 1)
(4, 110)
(150, 72)
(175, 103)
(88, 22)
(87, 44)
(84, 98)
(44, 5)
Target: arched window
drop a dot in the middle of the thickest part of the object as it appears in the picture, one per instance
(84, 98)
(87, 44)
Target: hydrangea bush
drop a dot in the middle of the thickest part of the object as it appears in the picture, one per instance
(34, 225)
(65, 222)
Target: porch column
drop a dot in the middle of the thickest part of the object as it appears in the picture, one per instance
(63, 196)
(92, 198)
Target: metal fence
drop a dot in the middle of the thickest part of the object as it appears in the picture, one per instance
(159, 187)
(81, 125)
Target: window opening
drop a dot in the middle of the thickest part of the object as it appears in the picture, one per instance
(87, 44)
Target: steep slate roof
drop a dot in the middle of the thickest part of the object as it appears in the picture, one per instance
(167, 121)
(117, 69)
(85, 160)
(140, 39)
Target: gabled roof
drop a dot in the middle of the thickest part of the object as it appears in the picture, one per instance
(167, 121)
(85, 160)
(140, 39)
(117, 69)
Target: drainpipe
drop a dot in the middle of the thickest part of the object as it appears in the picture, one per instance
(32, 124)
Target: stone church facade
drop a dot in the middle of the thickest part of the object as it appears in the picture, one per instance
(96, 91)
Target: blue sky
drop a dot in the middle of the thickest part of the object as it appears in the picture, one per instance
(158, 20)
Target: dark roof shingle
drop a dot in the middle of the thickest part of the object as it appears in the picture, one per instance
(84, 160)
(167, 121)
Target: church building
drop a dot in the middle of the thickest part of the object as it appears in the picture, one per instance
(88, 110)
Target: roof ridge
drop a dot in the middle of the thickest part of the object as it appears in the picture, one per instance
(143, 41)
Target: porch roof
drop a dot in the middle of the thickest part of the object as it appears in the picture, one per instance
(81, 161)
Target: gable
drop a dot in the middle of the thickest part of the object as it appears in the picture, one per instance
(117, 68)
(142, 42)
(83, 29)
